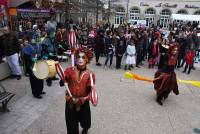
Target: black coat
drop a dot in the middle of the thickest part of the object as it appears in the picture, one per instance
(10, 44)
(121, 46)
(99, 43)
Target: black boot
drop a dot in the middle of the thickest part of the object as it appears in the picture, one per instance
(129, 68)
(125, 68)
(186, 66)
(189, 70)
(158, 100)
(84, 131)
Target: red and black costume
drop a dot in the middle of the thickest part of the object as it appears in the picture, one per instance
(80, 87)
(189, 59)
(153, 53)
(77, 108)
(165, 78)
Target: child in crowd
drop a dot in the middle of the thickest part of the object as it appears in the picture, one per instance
(131, 52)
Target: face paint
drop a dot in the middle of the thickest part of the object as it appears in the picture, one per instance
(81, 60)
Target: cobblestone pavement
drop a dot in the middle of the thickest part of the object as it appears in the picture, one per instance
(125, 107)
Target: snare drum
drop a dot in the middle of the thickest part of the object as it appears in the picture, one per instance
(44, 69)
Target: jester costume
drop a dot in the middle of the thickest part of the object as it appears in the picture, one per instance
(78, 79)
(165, 78)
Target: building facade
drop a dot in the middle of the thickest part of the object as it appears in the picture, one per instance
(153, 11)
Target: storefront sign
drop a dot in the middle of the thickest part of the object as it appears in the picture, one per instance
(170, 6)
(191, 6)
(13, 12)
(31, 13)
(144, 4)
(166, 5)
(4, 2)
(159, 5)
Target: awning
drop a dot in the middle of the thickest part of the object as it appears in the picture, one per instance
(16, 3)
(185, 17)
(4, 2)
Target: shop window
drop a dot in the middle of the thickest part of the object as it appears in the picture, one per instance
(165, 12)
(197, 12)
(134, 13)
(150, 11)
(120, 15)
(165, 17)
(182, 11)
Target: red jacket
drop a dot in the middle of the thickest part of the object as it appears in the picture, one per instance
(59, 37)
(79, 86)
(189, 57)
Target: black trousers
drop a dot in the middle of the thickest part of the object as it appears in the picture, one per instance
(37, 85)
(186, 68)
(27, 63)
(118, 61)
(139, 57)
(97, 55)
(109, 57)
(73, 117)
(164, 95)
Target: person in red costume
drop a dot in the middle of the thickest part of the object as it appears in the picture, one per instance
(165, 78)
(79, 83)
(189, 59)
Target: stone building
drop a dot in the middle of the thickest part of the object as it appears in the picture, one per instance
(153, 11)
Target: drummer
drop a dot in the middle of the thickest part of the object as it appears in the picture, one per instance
(32, 52)
(48, 51)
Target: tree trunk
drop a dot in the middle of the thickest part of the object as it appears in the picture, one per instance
(97, 12)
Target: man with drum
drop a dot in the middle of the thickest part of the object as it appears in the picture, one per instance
(80, 90)
(32, 53)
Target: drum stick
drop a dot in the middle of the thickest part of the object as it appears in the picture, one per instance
(68, 91)
(61, 74)
(72, 56)
(92, 82)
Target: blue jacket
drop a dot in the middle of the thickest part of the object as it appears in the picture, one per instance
(48, 44)
(28, 50)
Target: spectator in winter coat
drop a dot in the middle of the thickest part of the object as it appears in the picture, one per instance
(189, 58)
(153, 53)
(99, 46)
(109, 48)
(120, 50)
(11, 50)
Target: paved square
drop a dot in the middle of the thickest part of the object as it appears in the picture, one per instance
(125, 107)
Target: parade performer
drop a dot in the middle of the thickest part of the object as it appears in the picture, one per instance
(48, 52)
(32, 53)
(80, 90)
(165, 78)
(163, 49)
